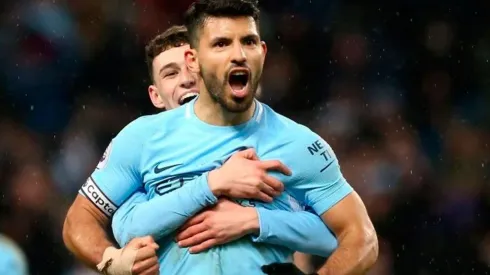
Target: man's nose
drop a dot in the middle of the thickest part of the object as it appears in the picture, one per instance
(187, 80)
(239, 57)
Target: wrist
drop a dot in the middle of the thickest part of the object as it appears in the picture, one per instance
(214, 183)
(251, 225)
(110, 252)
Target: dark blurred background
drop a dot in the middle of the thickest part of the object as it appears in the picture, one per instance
(400, 89)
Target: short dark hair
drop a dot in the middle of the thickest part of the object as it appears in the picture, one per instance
(173, 37)
(199, 11)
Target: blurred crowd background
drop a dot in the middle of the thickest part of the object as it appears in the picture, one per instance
(400, 89)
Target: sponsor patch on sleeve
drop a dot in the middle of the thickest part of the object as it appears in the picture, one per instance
(105, 157)
(92, 192)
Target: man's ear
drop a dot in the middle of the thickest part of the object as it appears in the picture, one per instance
(264, 48)
(191, 60)
(155, 98)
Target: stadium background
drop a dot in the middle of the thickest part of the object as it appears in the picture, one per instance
(399, 88)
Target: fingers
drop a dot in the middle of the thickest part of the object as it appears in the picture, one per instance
(149, 241)
(191, 231)
(203, 246)
(152, 271)
(248, 154)
(273, 184)
(196, 239)
(263, 197)
(275, 165)
(146, 266)
(193, 221)
(141, 242)
(145, 253)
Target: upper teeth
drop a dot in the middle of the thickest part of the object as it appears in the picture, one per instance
(239, 73)
(192, 94)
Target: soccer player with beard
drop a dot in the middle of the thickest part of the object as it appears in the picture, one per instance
(229, 55)
(172, 86)
(177, 158)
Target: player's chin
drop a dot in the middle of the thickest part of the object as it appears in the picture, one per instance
(238, 104)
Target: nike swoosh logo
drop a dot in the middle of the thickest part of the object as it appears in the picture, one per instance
(159, 170)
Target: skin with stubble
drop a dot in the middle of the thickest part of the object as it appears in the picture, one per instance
(216, 77)
(221, 53)
(223, 44)
(85, 227)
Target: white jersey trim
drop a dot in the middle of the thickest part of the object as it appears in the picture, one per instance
(92, 192)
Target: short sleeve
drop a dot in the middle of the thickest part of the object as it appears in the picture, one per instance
(317, 179)
(117, 176)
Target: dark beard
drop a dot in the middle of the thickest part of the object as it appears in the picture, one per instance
(216, 90)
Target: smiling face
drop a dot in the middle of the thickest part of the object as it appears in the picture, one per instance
(174, 84)
(231, 57)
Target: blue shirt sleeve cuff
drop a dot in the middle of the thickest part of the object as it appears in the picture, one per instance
(205, 191)
(264, 230)
(326, 203)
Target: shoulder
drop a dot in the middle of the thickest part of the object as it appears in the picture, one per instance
(300, 148)
(146, 126)
(289, 131)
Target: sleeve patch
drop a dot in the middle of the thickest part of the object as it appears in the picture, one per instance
(105, 157)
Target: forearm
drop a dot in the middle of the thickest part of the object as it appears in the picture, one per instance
(162, 215)
(357, 252)
(85, 237)
(299, 231)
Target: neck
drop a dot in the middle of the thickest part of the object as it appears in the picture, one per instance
(211, 112)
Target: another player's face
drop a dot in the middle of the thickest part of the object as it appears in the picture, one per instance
(174, 84)
(231, 56)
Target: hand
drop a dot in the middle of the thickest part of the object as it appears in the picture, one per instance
(244, 176)
(146, 261)
(225, 222)
(282, 269)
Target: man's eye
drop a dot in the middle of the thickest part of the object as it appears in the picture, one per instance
(250, 42)
(170, 74)
(220, 44)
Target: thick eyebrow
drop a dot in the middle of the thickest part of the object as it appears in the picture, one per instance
(250, 37)
(220, 39)
(168, 66)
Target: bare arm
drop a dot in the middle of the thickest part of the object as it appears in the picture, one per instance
(84, 232)
(358, 244)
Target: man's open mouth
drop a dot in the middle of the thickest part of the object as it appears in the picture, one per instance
(238, 80)
(187, 97)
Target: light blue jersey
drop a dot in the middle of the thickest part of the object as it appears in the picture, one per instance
(299, 231)
(168, 156)
(12, 259)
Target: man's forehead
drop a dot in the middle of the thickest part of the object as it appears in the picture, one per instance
(173, 55)
(229, 26)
